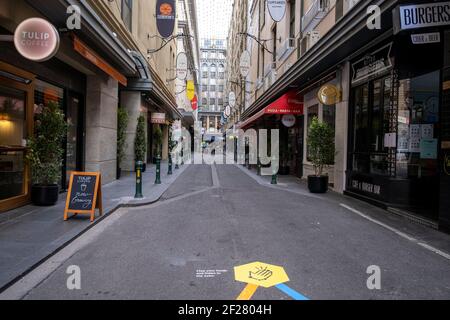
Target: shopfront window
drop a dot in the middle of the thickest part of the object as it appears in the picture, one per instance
(313, 112)
(417, 152)
(371, 126)
(12, 143)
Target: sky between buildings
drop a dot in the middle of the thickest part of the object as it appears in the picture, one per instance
(214, 18)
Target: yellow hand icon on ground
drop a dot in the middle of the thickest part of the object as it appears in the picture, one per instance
(260, 274)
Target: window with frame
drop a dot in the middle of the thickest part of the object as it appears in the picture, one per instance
(292, 19)
(127, 13)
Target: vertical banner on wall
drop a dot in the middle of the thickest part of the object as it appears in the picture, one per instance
(190, 90)
(277, 9)
(165, 17)
(194, 103)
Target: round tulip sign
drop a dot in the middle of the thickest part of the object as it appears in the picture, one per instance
(36, 39)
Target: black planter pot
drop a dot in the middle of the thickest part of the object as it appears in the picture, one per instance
(144, 168)
(44, 195)
(318, 184)
(119, 173)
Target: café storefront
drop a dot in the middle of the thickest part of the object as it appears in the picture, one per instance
(399, 119)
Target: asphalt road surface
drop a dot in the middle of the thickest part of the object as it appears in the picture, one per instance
(216, 218)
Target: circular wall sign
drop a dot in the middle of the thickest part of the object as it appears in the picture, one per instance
(288, 120)
(182, 66)
(329, 94)
(36, 39)
(277, 9)
(232, 99)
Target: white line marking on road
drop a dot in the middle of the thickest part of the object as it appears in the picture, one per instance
(215, 176)
(397, 232)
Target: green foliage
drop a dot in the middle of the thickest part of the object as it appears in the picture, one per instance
(157, 138)
(46, 146)
(140, 141)
(321, 148)
(122, 123)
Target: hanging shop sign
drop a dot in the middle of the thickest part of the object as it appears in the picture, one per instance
(84, 195)
(232, 99)
(244, 65)
(182, 66)
(227, 111)
(36, 39)
(421, 16)
(372, 65)
(158, 118)
(424, 38)
(329, 95)
(277, 9)
(288, 120)
(190, 90)
(165, 17)
(194, 103)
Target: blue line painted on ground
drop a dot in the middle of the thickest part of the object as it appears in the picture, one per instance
(291, 292)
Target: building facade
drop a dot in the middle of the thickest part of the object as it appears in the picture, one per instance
(189, 45)
(212, 100)
(106, 63)
(381, 84)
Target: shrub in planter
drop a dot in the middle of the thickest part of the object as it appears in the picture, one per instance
(140, 141)
(321, 152)
(158, 139)
(44, 154)
(122, 123)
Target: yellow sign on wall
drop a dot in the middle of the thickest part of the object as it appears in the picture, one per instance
(190, 90)
(329, 95)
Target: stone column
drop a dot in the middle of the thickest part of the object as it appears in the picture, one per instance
(101, 126)
(130, 101)
(340, 166)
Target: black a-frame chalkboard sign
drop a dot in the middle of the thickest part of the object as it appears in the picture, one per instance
(84, 195)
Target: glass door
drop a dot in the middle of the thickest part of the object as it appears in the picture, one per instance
(74, 143)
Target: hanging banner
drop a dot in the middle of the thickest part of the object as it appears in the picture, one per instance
(190, 90)
(36, 39)
(245, 63)
(277, 9)
(165, 17)
(232, 99)
(182, 66)
(194, 103)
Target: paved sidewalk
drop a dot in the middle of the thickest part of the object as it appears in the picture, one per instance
(30, 234)
(418, 233)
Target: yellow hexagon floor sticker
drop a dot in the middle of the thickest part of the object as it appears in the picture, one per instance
(261, 274)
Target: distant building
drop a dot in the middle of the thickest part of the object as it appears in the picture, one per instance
(212, 85)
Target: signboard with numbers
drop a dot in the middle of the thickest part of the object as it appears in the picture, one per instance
(84, 195)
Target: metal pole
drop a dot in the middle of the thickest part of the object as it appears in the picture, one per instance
(158, 170)
(139, 167)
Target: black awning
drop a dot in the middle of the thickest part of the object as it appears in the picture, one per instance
(144, 81)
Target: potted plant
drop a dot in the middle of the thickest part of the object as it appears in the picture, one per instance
(140, 142)
(44, 154)
(321, 152)
(157, 138)
(122, 123)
